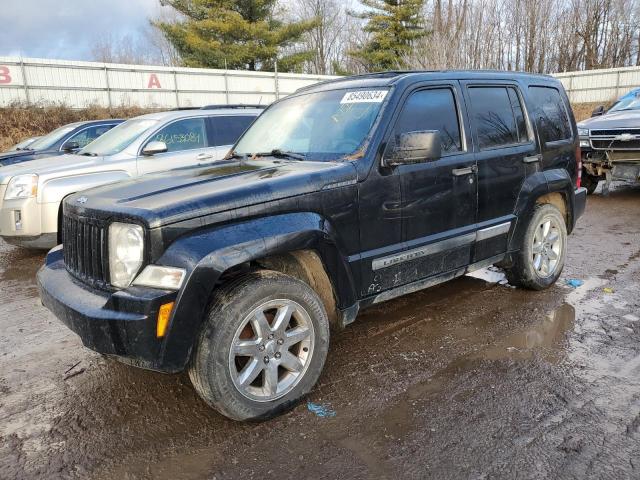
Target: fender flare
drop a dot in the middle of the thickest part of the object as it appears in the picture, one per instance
(206, 254)
(535, 186)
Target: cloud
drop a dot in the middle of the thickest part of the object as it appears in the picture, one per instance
(67, 29)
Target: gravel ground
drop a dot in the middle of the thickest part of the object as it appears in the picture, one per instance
(471, 379)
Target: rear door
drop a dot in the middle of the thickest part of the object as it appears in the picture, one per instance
(187, 145)
(506, 151)
(225, 130)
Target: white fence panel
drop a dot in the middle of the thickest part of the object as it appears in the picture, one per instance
(602, 86)
(79, 84)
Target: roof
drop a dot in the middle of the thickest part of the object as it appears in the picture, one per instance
(174, 114)
(383, 79)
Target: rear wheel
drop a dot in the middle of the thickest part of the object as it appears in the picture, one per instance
(262, 347)
(541, 258)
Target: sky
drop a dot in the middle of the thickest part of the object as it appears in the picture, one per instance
(67, 29)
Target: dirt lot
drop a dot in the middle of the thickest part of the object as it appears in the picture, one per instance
(472, 379)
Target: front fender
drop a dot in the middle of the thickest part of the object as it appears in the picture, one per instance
(207, 254)
(56, 189)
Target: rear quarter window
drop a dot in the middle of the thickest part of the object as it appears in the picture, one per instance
(550, 113)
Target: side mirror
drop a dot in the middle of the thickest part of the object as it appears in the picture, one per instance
(599, 110)
(70, 146)
(416, 147)
(153, 148)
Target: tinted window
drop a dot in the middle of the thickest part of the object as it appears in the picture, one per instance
(227, 130)
(497, 116)
(550, 113)
(85, 137)
(433, 109)
(182, 135)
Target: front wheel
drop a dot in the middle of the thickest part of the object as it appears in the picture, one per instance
(262, 348)
(541, 258)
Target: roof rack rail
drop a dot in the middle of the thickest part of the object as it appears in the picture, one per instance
(179, 109)
(239, 105)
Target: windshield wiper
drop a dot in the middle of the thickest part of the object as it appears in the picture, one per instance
(233, 154)
(276, 152)
(88, 154)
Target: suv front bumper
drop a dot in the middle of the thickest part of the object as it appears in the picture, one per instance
(120, 323)
(26, 223)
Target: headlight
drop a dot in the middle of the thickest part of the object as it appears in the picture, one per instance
(126, 250)
(166, 278)
(583, 132)
(22, 186)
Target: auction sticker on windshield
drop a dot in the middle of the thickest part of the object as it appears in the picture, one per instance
(364, 96)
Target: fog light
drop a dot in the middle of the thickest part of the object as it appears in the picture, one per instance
(17, 215)
(585, 143)
(163, 319)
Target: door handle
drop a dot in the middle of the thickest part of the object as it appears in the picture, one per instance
(204, 156)
(458, 172)
(532, 159)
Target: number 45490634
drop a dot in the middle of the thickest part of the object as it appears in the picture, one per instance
(5, 74)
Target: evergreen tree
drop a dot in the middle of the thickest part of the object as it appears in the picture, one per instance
(235, 34)
(394, 25)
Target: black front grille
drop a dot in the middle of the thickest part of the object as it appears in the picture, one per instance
(85, 250)
(616, 144)
(615, 131)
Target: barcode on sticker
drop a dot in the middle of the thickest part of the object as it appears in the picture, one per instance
(364, 96)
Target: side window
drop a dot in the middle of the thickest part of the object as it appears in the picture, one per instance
(226, 130)
(432, 109)
(85, 137)
(551, 114)
(497, 116)
(187, 134)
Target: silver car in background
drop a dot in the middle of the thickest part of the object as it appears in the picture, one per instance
(31, 193)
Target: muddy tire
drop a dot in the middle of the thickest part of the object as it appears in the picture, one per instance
(589, 182)
(540, 260)
(262, 346)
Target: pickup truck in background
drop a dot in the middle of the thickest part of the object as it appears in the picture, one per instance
(610, 143)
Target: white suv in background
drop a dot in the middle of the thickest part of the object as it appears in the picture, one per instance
(31, 193)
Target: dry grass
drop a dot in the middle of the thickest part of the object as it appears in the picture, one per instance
(582, 111)
(18, 122)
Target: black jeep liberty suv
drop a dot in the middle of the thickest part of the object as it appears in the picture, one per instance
(348, 193)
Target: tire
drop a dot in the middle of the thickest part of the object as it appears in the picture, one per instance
(241, 387)
(528, 269)
(590, 182)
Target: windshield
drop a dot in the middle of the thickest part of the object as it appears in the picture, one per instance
(628, 102)
(23, 144)
(118, 138)
(51, 139)
(318, 126)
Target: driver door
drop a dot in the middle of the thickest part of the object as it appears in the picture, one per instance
(187, 145)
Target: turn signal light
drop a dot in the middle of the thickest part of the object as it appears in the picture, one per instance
(163, 319)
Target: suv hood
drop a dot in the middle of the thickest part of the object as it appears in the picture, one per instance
(47, 166)
(162, 199)
(621, 119)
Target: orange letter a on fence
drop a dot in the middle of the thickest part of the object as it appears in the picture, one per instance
(154, 82)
